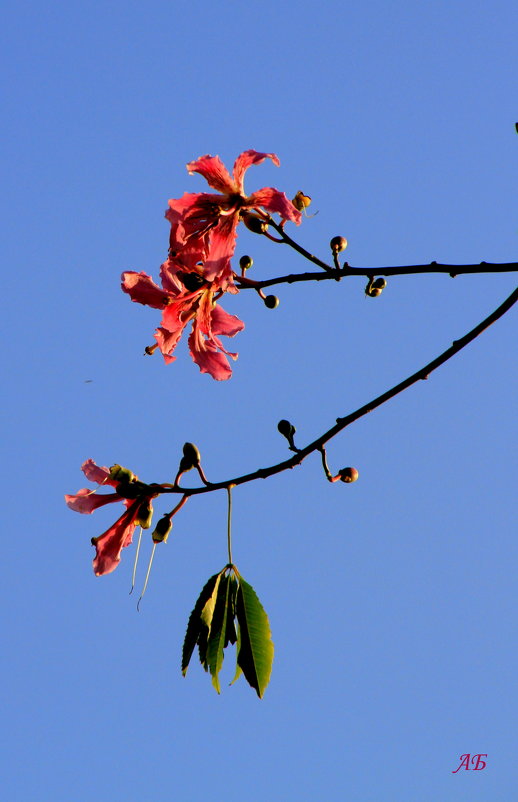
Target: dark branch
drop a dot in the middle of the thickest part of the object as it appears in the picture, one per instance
(401, 270)
(341, 423)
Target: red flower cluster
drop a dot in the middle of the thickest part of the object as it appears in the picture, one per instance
(137, 499)
(198, 271)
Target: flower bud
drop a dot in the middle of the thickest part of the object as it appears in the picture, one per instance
(145, 514)
(191, 457)
(120, 474)
(271, 301)
(162, 529)
(246, 262)
(254, 223)
(338, 244)
(375, 287)
(301, 201)
(348, 474)
(286, 428)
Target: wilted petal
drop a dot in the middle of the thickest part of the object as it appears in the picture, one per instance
(275, 202)
(109, 545)
(245, 160)
(215, 173)
(86, 501)
(142, 289)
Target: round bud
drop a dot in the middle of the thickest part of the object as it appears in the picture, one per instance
(120, 474)
(379, 284)
(373, 292)
(191, 457)
(348, 474)
(162, 530)
(254, 223)
(271, 301)
(145, 515)
(338, 244)
(286, 428)
(301, 201)
(246, 262)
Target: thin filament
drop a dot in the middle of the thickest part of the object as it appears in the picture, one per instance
(136, 561)
(147, 575)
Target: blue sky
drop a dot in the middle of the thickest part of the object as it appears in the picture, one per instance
(392, 601)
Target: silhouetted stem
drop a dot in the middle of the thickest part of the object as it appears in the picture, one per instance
(343, 422)
(401, 270)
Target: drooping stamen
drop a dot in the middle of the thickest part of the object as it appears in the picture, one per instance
(96, 488)
(136, 561)
(147, 576)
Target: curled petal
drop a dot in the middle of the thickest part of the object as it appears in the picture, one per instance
(275, 202)
(167, 342)
(215, 173)
(245, 160)
(142, 289)
(206, 355)
(96, 473)
(86, 502)
(109, 545)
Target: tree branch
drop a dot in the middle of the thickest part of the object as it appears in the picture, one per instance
(401, 270)
(343, 422)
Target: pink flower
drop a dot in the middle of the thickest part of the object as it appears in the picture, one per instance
(187, 294)
(201, 221)
(110, 544)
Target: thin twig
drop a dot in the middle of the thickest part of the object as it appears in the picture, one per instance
(341, 423)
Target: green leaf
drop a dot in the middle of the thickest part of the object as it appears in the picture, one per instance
(199, 620)
(255, 655)
(218, 631)
(230, 634)
(206, 623)
(238, 649)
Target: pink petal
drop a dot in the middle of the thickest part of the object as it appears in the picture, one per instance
(222, 247)
(224, 323)
(167, 342)
(215, 173)
(86, 501)
(96, 473)
(275, 202)
(207, 356)
(142, 289)
(109, 545)
(245, 160)
(192, 217)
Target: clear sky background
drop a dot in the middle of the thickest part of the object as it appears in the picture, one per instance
(392, 601)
